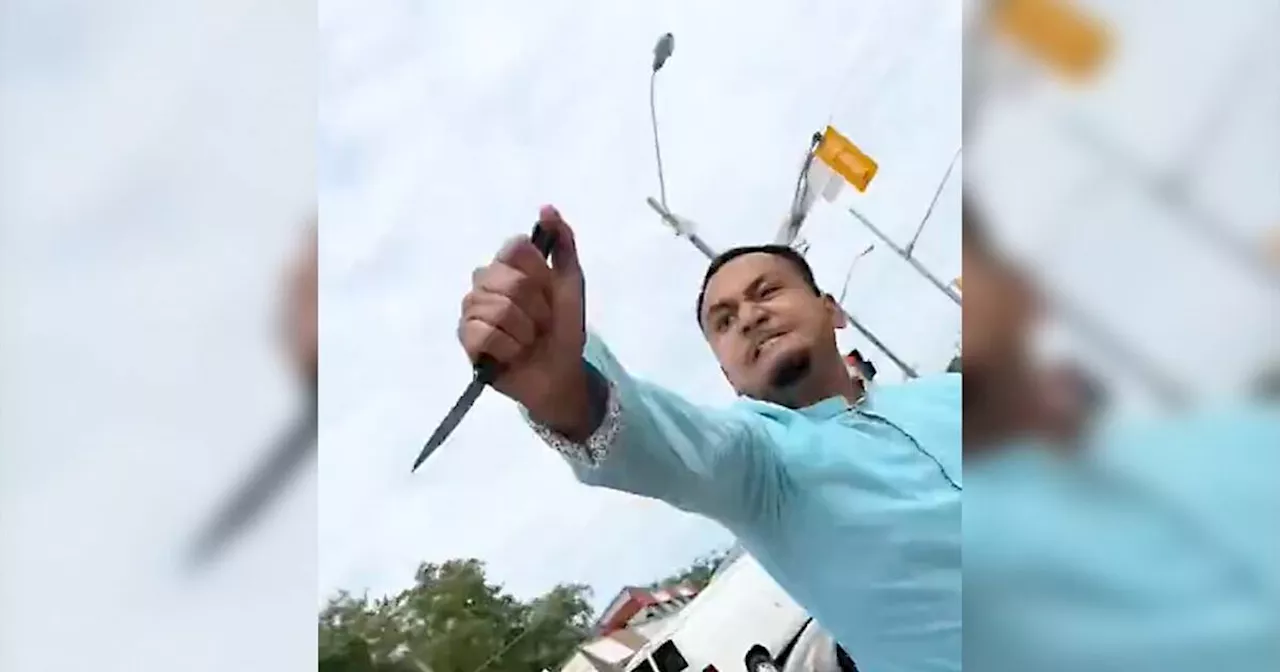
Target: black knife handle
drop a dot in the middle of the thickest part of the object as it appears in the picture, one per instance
(487, 369)
(544, 239)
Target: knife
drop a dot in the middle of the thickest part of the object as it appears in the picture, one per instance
(485, 372)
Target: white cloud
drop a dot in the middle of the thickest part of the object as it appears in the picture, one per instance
(444, 126)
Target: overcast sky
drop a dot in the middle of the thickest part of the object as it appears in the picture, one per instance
(444, 126)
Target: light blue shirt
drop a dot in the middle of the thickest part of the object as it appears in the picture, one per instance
(855, 511)
(1157, 549)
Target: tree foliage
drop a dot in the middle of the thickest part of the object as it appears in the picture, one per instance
(452, 619)
(351, 654)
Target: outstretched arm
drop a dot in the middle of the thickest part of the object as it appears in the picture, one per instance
(626, 434)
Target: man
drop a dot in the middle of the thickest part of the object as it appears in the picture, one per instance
(1001, 386)
(1147, 547)
(860, 367)
(300, 327)
(1006, 395)
(852, 504)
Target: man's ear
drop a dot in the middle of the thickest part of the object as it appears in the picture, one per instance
(838, 319)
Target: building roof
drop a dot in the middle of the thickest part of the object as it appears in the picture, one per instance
(633, 601)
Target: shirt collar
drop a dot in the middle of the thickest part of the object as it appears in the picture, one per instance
(822, 411)
(827, 408)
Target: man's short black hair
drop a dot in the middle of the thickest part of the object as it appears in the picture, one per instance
(783, 251)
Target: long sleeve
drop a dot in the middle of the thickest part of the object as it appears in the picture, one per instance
(652, 442)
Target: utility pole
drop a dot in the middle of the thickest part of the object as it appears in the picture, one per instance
(906, 256)
(908, 253)
(685, 229)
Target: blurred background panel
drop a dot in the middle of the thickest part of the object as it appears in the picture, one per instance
(156, 182)
(1124, 158)
(1128, 155)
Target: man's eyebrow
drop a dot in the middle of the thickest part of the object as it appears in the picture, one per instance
(752, 288)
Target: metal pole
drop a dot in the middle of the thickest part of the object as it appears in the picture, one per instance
(657, 148)
(911, 246)
(683, 231)
(942, 286)
(680, 228)
(1169, 190)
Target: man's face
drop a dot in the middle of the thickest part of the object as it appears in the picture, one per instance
(301, 335)
(1000, 311)
(764, 323)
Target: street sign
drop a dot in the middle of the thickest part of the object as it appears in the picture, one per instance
(844, 157)
(1057, 33)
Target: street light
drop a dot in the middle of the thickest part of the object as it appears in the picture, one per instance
(661, 52)
(849, 275)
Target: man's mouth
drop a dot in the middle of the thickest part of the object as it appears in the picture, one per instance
(766, 343)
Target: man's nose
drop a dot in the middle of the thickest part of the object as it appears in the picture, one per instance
(752, 319)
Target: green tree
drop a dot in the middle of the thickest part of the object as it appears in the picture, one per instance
(452, 619)
(353, 655)
(697, 574)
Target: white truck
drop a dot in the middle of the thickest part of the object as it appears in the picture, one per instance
(742, 620)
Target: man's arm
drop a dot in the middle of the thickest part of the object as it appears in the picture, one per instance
(626, 434)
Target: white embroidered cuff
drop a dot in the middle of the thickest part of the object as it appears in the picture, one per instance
(592, 452)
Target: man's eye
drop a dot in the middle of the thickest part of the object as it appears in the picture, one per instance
(768, 291)
(723, 322)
